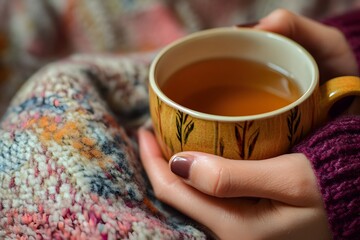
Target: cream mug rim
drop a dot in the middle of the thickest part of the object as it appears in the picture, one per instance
(212, 117)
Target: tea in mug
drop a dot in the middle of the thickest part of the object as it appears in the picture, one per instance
(231, 87)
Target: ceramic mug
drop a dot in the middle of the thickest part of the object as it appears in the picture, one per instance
(260, 136)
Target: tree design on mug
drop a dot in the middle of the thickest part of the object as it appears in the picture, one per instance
(293, 122)
(158, 115)
(184, 127)
(246, 137)
(221, 147)
(219, 141)
(169, 150)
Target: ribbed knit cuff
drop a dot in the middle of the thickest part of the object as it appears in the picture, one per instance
(349, 24)
(334, 152)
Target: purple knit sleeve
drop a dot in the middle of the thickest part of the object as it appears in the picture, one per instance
(349, 24)
(334, 152)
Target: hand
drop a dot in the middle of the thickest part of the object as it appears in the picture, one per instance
(275, 198)
(327, 44)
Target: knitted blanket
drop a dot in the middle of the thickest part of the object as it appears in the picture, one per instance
(69, 164)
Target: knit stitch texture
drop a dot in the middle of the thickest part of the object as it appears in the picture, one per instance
(68, 169)
(69, 164)
(334, 152)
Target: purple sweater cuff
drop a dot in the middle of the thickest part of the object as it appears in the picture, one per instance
(349, 24)
(334, 152)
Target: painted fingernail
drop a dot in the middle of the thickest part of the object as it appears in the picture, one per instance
(180, 165)
(247, 25)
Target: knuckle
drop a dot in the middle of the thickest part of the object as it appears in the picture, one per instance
(302, 188)
(222, 183)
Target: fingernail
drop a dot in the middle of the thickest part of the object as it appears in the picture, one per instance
(248, 25)
(180, 165)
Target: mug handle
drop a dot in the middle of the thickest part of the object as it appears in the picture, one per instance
(338, 88)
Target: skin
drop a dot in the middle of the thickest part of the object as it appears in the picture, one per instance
(326, 44)
(275, 198)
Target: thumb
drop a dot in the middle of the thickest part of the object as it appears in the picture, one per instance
(276, 178)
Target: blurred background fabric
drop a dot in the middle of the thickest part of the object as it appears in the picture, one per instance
(34, 33)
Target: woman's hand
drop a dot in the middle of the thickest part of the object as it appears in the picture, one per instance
(327, 44)
(275, 198)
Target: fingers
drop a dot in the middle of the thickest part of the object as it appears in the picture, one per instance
(164, 182)
(228, 218)
(152, 158)
(328, 45)
(172, 190)
(288, 178)
(306, 32)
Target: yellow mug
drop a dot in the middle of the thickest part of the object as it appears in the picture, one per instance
(259, 136)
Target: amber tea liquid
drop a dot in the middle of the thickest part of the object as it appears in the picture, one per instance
(231, 87)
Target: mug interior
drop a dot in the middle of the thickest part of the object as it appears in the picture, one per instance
(255, 45)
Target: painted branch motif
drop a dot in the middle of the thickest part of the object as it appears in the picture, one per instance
(246, 138)
(158, 115)
(184, 127)
(169, 149)
(221, 147)
(219, 141)
(293, 122)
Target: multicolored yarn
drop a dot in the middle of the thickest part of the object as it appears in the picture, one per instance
(69, 165)
(68, 169)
